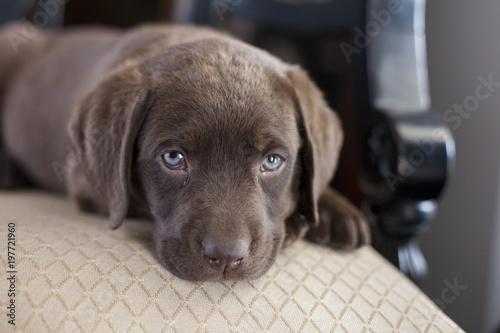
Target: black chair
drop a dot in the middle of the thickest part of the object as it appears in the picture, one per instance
(404, 152)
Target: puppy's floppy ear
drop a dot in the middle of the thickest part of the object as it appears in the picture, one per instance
(321, 136)
(103, 130)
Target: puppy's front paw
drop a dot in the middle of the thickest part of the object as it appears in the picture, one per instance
(341, 225)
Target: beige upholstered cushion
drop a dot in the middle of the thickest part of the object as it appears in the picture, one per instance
(76, 275)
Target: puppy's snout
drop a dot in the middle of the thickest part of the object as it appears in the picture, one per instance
(227, 255)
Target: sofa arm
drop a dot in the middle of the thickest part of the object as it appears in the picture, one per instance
(74, 274)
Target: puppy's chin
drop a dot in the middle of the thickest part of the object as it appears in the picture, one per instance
(188, 264)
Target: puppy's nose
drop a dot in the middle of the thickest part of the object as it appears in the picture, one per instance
(225, 255)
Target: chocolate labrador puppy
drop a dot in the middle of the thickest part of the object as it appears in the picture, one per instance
(227, 148)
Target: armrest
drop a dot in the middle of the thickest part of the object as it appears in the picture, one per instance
(72, 273)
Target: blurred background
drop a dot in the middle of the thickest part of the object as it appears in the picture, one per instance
(359, 70)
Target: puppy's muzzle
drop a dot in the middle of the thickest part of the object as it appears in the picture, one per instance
(225, 256)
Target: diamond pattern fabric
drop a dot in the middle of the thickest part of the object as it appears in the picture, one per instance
(74, 274)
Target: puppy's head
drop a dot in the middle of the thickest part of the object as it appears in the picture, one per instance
(229, 148)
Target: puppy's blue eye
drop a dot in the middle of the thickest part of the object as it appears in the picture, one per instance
(271, 163)
(173, 159)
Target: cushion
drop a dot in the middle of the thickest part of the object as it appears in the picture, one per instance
(74, 274)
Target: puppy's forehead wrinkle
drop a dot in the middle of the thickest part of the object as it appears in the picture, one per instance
(226, 151)
(224, 132)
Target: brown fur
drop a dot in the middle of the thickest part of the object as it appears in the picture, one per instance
(129, 97)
